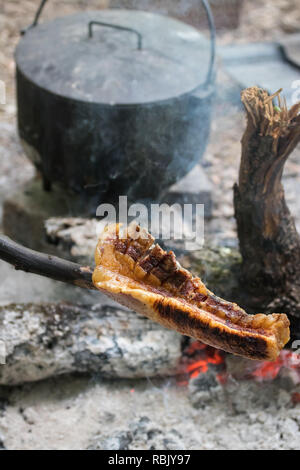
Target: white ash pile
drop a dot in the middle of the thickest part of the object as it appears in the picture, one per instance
(142, 433)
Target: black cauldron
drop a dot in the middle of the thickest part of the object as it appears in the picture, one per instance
(114, 102)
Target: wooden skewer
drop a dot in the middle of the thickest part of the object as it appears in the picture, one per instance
(45, 265)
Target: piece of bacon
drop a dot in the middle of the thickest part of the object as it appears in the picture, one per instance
(142, 276)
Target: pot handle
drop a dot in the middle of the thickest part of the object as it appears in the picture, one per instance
(205, 3)
(91, 23)
(212, 28)
(37, 16)
(122, 28)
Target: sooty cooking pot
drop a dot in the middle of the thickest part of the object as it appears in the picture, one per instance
(114, 102)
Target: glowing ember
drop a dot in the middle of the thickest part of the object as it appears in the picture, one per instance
(270, 370)
(197, 358)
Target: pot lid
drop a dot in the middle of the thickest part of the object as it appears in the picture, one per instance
(108, 67)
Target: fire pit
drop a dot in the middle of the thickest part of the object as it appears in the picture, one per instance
(89, 375)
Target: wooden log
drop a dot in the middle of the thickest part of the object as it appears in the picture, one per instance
(45, 340)
(269, 242)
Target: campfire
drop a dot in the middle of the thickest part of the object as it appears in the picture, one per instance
(121, 334)
(140, 275)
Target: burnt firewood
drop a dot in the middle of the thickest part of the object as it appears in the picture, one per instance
(48, 340)
(269, 242)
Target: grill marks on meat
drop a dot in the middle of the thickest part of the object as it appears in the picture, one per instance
(150, 280)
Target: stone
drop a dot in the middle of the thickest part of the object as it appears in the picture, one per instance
(194, 188)
(45, 340)
(25, 212)
(290, 46)
(262, 64)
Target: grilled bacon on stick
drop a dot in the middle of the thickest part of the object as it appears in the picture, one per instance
(139, 274)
